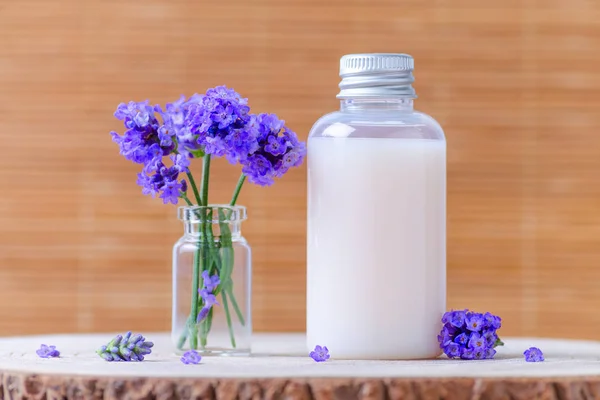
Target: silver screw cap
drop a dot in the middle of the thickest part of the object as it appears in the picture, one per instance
(376, 75)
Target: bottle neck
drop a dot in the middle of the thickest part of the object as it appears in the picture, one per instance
(401, 104)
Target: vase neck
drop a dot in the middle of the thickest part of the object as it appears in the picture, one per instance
(213, 222)
(209, 231)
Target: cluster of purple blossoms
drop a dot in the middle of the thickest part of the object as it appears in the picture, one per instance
(218, 120)
(47, 351)
(126, 348)
(157, 178)
(147, 142)
(176, 124)
(469, 335)
(278, 149)
(210, 283)
(217, 123)
(141, 142)
(223, 127)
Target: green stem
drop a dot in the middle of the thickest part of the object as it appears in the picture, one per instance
(194, 311)
(236, 307)
(187, 200)
(205, 177)
(228, 316)
(204, 229)
(238, 187)
(184, 335)
(194, 187)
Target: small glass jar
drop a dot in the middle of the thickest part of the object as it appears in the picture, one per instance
(376, 260)
(212, 271)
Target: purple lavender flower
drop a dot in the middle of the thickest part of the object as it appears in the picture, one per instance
(191, 357)
(474, 321)
(171, 192)
(147, 142)
(278, 151)
(479, 353)
(320, 354)
(533, 354)
(241, 143)
(47, 351)
(275, 145)
(163, 181)
(181, 162)
(490, 337)
(209, 298)
(452, 350)
(492, 321)
(217, 121)
(176, 125)
(203, 313)
(141, 142)
(462, 339)
(466, 353)
(444, 337)
(210, 282)
(454, 318)
(469, 335)
(477, 341)
(126, 347)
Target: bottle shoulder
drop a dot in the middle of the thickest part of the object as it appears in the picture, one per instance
(386, 124)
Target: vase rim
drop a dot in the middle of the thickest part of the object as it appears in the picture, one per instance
(230, 213)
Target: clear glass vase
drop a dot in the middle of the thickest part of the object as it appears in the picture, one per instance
(212, 273)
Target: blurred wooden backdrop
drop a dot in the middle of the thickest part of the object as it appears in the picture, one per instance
(515, 83)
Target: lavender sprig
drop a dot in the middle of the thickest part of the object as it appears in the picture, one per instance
(126, 347)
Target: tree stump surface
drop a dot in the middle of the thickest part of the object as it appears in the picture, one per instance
(281, 369)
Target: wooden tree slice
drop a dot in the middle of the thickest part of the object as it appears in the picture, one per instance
(281, 369)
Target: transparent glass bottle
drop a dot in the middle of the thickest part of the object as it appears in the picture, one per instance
(376, 265)
(212, 247)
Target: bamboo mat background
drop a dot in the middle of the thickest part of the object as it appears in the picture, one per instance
(515, 84)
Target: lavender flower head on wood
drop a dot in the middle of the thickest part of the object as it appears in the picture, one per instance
(126, 347)
(470, 335)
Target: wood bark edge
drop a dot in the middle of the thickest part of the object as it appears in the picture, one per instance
(22, 385)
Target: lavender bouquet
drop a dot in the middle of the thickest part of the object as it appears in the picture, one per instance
(165, 142)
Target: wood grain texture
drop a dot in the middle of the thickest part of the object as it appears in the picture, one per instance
(515, 84)
(16, 385)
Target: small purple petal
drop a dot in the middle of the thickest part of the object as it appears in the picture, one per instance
(533, 354)
(477, 341)
(320, 354)
(490, 353)
(474, 321)
(191, 357)
(47, 351)
(452, 350)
